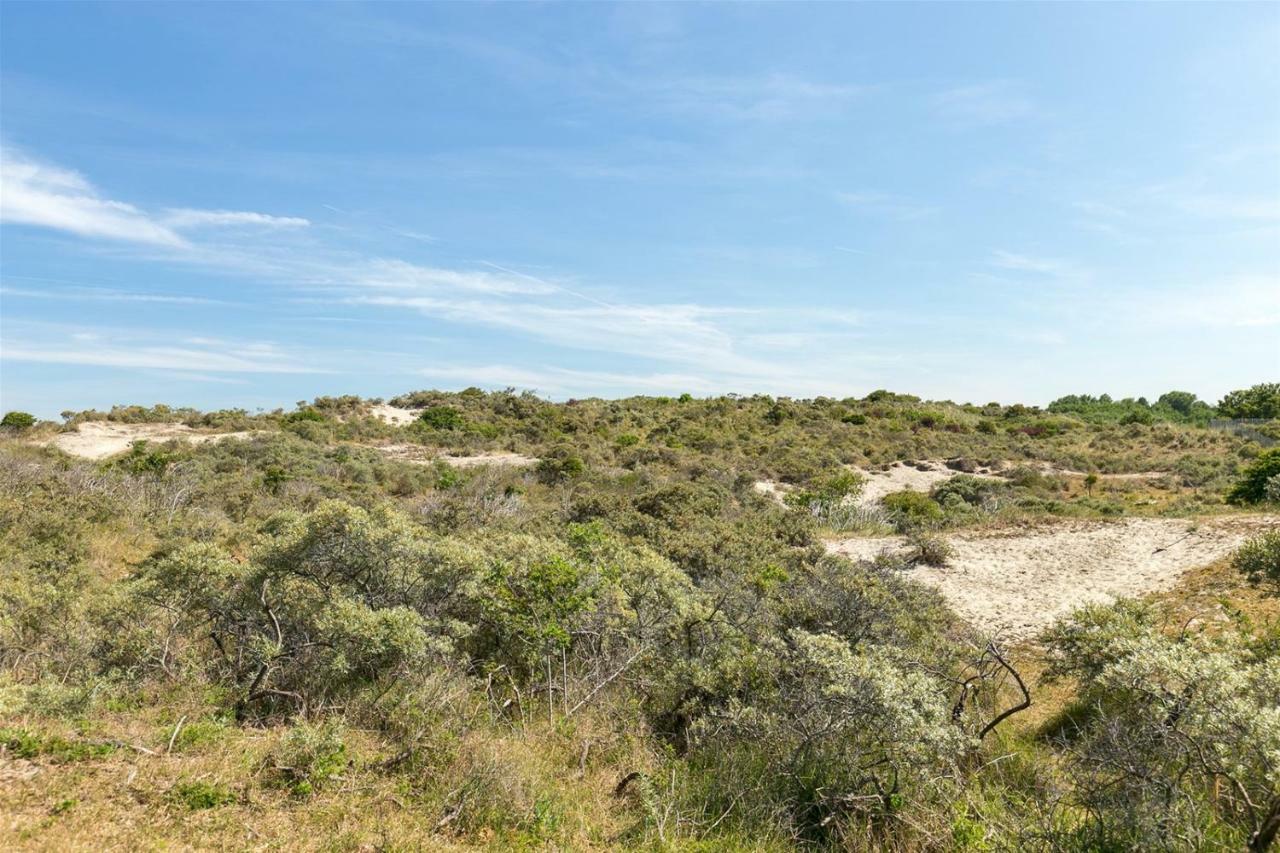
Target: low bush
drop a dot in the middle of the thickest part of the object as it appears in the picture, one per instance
(1259, 560)
(1252, 486)
(18, 421)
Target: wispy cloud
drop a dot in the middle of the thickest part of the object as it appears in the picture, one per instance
(95, 352)
(81, 294)
(184, 217)
(1030, 263)
(995, 102)
(769, 97)
(33, 192)
(885, 205)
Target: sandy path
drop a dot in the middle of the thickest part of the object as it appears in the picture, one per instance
(1018, 582)
(100, 439)
(425, 456)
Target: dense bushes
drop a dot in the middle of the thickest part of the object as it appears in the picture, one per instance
(1258, 401)
(497, 650)
(1181, 732)
(1257, 483)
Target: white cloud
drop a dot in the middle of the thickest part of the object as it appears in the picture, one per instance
(884, 204)
(769, 97)
(982, 104)
(183, 217)
(104, 347)
(1028, 263)
(37, 193)
(34, 193)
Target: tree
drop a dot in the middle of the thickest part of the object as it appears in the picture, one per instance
(1253, 486)
(1257, 401)
(1181, 402)
(18, 421)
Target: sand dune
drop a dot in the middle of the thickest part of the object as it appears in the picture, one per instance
(100, 439)
(395, 415)
(1016, 582)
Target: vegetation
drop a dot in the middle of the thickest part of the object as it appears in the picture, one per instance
(1259, 560)
(18, 420)
(1258, 401)
(623, 645)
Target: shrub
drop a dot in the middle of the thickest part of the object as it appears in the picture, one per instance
(912, 509)
(1259, 560)
(929, 549)
(1181, 730)
(1251, 488)
(310, 756)
(201, 795)
(966, 489)
(442, 417)
(18, 421)
(559, 465)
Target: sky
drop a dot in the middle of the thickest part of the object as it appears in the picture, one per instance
(247, 205)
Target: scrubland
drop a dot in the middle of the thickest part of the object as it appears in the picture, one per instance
(489, 621)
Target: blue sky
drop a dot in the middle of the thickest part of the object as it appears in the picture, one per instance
(248, 205)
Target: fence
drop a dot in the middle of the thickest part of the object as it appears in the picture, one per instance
(1245, 428)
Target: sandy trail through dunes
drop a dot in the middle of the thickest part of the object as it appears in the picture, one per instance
(1017, 582)
(425, 456)
(924, 475)
(100, 439)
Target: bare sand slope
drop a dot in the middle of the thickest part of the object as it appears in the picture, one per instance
(907, 476)
(900, 476)
(395, 415)
(426, 456)
(99, 439)
(923, 475)
(1017, 582)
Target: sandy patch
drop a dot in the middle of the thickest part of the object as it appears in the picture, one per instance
(395, 415)
(100, 439)
(1054, 471)
(907, 476)
(1017, 582)
(771, 489)
(426, 456)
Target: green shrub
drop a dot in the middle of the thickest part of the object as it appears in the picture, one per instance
(1259, 560)
(442, 418)
(198, 796)
(1251, 488)
(310, 756)
(929, 549)
(22, 743)
(911, 509)
(18, 420)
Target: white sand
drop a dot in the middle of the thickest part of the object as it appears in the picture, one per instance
(395, 415)
(771, 489)
(1017, 582)
(100, 439)
(898, 477)
(907, 476)
(426, 456)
